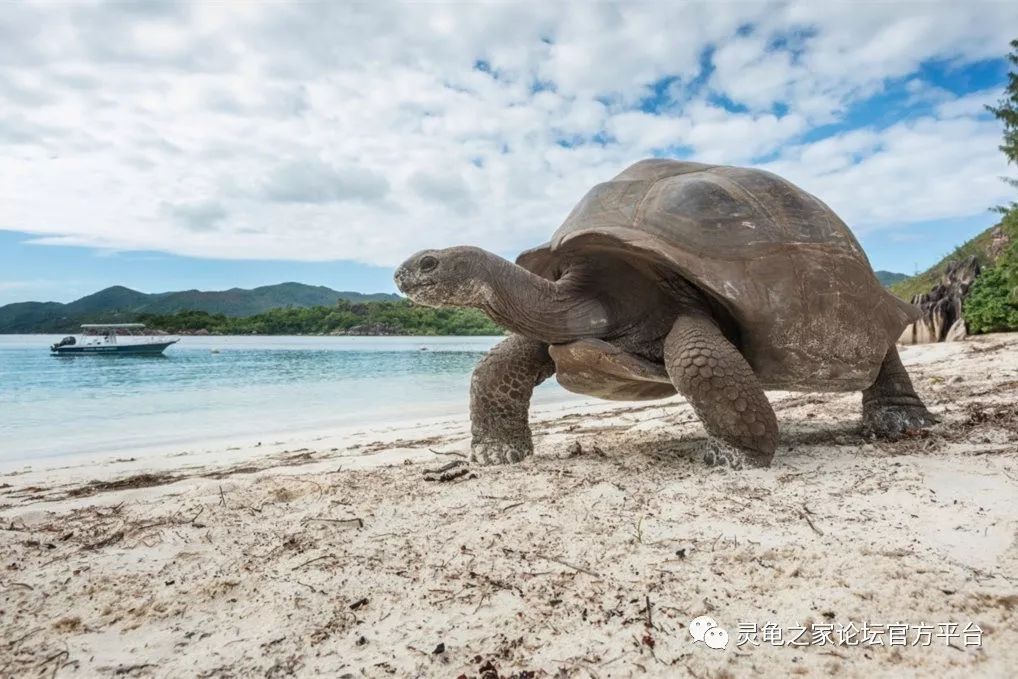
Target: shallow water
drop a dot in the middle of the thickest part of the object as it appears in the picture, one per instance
(218, 387)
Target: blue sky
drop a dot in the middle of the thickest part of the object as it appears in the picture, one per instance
(62, 273)
(219, 146)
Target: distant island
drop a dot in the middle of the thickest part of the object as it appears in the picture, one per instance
(889, 278)
(284, 309)
(399, 317)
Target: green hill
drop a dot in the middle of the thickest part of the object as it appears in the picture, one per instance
(985, 247)
(992, 301)
(119, 304)
(888, 278)
(400, 317)
(238, 302)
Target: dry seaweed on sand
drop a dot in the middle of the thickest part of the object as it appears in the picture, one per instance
(565, 565)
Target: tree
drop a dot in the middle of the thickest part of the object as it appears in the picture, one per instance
(400, 317)
(992, 304)
(1006, 112)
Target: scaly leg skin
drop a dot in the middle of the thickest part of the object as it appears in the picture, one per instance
(890, 406)
(725, 394)
(500, 391)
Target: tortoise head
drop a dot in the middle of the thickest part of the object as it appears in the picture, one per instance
(510, 295)
(454, 276)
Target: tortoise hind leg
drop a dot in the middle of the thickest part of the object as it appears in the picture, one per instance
(720, 385)
(890, 406)
(500, 391)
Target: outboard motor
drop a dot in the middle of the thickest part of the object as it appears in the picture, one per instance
(65, 342)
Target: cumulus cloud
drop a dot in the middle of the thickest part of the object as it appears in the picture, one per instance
(969, 105)
(882, 180)
(202, 216)
(444, 188)
(314, 181)
(324, 131)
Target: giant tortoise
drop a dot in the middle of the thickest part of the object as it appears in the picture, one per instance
(712, 281)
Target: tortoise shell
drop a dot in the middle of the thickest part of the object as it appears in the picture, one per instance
(810, 312)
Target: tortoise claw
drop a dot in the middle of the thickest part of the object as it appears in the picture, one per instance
(718, 453)
(894, 421)
(497, 452)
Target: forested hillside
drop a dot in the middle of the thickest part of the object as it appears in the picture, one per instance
(118, 304)
(356, 318)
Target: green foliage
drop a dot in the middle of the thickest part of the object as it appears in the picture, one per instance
(119, 304)
(395, 318)
(992, 303)
(237, 302)
(1006, 112)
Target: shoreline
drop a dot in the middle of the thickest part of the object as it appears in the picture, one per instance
(179, 333)
(339, 442)
(373, 425)
(355, 554)
(229, 391)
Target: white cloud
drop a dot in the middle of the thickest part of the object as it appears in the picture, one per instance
(312, 181)
(721, 137)
(970, 105)
(445, 187)
(919, 170)
(836, 53)
(202, 216)
(325, 131)
(648, 131)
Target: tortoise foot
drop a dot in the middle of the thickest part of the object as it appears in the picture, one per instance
(498, 452)
(718, 453)
(893, 421)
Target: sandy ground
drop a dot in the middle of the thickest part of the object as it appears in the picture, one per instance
(347, 557)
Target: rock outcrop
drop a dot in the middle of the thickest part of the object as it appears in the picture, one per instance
(999, 241)
(941, 307)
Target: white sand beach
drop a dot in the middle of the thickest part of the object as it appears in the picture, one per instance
(340, 554)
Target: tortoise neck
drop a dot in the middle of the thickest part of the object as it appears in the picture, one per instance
(550, 311)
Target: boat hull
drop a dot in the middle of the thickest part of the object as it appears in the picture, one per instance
(147, 349)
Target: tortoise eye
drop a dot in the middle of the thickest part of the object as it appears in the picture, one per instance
(428, 263)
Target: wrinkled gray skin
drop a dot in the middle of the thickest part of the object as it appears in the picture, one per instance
(662, 320)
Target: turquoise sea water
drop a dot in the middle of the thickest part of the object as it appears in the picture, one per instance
(220, 387)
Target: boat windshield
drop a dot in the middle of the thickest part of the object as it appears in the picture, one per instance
(99, 333)
(110, 332)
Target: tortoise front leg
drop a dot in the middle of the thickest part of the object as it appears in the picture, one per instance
(725, 394)
(890, 406)
(500, 391)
